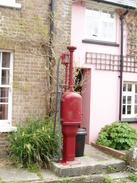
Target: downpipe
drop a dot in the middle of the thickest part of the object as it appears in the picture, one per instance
(51, 32)
(57, 111)
(121, 62)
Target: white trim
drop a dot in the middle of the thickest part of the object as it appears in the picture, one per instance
(5, 125)
(11, 88)
(12, 4)
(7, 128)
(132, 95)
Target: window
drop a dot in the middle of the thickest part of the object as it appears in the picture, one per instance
(129, 105)
(100, 25)
(10, 3)
(6, 60)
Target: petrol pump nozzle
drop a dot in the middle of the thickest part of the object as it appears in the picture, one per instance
(65, 58)
(65, 61)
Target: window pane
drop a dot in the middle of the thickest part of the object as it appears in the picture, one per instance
(107, 29)
(95, 12)
(124, 99)
(4, 94)
(105, 14)
(3, 111)
(111, 29)
(135, 109)
(136, 88)
(124, 109)
(5, 77)
(124, 87)
(94, 28)
(88, 12)
(104, 29)
(88, 28)
(129, 109)
(129, 87)
(111, 14)
(108, 14)
(6, 60)
(135, 99)
(91, 27)
(129, 99)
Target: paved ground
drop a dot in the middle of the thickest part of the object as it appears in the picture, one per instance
(9, 173)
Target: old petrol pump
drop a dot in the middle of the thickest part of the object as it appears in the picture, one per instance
(71, 110)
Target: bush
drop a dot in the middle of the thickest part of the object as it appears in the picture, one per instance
(119, 135)
(32, 143)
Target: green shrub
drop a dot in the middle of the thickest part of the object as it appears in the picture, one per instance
(119, 135)
(32, 143)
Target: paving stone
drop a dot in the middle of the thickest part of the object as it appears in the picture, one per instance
(90, 168)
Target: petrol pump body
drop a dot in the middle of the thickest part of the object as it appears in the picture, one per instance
(71, 118)
(71, 115)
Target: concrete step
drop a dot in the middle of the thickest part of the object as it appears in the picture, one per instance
(94, 161)
(97, 178)
(88, 166)
(10, 174)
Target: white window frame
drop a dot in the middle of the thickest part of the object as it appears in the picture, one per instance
(10, 3)
(89, 14)
(5, 124)
(132, 94)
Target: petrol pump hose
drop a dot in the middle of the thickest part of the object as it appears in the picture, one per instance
(55, 117)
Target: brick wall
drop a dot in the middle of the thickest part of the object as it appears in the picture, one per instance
(30, 77)
(63, 27)
(3, 144)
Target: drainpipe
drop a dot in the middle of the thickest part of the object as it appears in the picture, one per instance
(52, 21)
(121, 62)
(51, 31)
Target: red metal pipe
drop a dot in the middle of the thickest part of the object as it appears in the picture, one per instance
(66, 77)
(71, 50)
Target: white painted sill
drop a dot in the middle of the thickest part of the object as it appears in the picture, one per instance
(7, 128)
(10, 5)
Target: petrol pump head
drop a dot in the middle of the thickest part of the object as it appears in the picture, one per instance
(65, 58)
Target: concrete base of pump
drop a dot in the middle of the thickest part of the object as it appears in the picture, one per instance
(75, 162)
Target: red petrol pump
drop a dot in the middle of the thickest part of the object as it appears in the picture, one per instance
(71, 113)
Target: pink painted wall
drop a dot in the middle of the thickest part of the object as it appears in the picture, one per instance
(100, 107)
(101, 89)
(104, 100)
(77, 34)
(86, 101)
